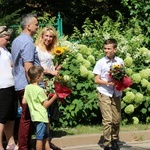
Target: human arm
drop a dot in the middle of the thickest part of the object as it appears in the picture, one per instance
(24, 101)
(52, 72)
(98, 80)
(27, 65)
(47, 103)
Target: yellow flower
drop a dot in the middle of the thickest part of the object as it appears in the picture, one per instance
(58, 50)
(65, 48)
(60, 54)
(60, 77)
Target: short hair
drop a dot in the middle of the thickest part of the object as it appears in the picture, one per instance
(4, 31)
(26, 19)
(111, 41)
(34, 72)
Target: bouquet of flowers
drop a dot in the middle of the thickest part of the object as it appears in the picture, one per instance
(60, 53)
(62, 87)
(118, 74)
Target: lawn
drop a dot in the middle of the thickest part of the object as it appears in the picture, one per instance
(83, 129)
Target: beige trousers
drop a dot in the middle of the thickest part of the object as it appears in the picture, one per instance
(110, 108)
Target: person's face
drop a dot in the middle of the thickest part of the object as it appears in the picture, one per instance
(109, 50)
(4, 41)
(33, 26)
(47, 38)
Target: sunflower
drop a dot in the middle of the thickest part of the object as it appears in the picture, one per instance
(58, 50)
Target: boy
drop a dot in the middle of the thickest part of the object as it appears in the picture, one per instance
(38, 103)
(109, 97)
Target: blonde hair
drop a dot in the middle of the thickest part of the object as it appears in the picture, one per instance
(4, 31)
(40, 43)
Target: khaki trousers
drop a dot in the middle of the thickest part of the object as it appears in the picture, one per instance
(110, 108)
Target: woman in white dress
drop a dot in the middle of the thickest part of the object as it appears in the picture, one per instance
(8, 98)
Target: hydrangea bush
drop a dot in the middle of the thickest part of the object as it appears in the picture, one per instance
(86, 48)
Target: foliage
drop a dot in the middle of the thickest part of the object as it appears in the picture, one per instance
(78, 68)
(140, 11)
(82, 103)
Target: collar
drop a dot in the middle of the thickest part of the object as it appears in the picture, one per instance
(109, 60)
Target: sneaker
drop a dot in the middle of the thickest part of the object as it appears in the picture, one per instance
(54, 147)
(108, 148)
(115, 145)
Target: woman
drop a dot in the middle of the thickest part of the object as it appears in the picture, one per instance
(45, 43)
(8, 99)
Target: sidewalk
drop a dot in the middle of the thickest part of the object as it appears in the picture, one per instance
(130, 140)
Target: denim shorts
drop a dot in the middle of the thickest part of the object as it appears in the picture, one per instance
(41, 130)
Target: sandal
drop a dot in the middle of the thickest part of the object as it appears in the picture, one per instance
(12, 147)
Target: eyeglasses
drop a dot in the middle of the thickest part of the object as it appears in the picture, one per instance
(5, 29)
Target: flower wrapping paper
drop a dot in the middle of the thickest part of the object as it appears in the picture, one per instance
(123, 84)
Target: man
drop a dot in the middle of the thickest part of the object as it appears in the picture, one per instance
(109, 97)
(24, 56)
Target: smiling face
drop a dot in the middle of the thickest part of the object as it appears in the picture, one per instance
(110, 50)
(48, 38)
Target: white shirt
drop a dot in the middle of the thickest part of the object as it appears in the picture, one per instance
(102, 69)
(45, 59)
(6, 77)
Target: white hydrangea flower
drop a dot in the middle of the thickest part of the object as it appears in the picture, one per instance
(86, 63)
(66, 77)
(129, 71)
(90, 75)
(145, 73)
(136, 78)
(91, 58)
(144, 82)
(138, 98)
(80, 57)
(128, 61)
(83, 71)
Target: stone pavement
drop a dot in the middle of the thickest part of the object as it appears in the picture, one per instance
(130, 140)
(144, 145)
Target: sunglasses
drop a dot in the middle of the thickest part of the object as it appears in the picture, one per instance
(5, 29)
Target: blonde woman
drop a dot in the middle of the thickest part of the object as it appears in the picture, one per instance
(45, 43)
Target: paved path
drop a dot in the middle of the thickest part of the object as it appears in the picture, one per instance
(145, 145)
(132, 140)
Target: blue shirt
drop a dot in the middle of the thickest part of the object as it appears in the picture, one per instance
(102, 69)
(23, 50)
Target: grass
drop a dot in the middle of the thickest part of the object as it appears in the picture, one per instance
(83, 129)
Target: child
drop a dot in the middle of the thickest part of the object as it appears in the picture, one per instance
(38, 103)
(109, 97)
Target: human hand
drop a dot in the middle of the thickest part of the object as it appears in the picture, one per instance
(55, 72)
(111, 83)
(58, 67)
